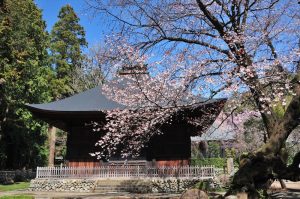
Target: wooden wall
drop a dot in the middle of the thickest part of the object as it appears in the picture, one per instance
(80, 143)
(173, 148)
(172, 163)
(82, 163)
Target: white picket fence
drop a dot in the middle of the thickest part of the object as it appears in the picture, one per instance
(203, 172)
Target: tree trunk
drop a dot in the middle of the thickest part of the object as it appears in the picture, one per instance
(3, 120)
(52, 139)
(258, 170)
(282, 184)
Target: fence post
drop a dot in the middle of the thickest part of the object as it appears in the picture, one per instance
(37, 173)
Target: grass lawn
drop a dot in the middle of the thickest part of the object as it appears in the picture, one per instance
(16, 186)
(17, 197)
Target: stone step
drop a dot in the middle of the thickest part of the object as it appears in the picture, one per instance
(110, 189)
(110, 182)
(121, 185)
(113, 188)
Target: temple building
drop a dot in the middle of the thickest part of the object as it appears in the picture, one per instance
(75, 114)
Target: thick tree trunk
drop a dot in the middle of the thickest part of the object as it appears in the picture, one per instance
(282, 184)
(257, 171)
(52, 139)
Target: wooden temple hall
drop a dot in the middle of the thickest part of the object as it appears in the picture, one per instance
(75, 113)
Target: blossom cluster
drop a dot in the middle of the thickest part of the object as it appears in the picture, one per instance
(170, 55)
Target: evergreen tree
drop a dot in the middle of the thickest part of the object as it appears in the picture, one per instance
(24, 76)
(67, 41)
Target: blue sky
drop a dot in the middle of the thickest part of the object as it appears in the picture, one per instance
(94, 30)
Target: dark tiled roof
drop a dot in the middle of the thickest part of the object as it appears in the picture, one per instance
(93, 100)
(85, 107)
(90, 100)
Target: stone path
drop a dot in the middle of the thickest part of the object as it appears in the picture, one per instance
(293, 192)
(289, 194)
(108, 195)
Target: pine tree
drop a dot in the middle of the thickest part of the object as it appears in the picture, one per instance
(67, 41)
(24, 75)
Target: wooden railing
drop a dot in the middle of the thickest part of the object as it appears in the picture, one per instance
(203, 172)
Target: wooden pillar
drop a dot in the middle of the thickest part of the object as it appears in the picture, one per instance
(230, 165)
(51, 140)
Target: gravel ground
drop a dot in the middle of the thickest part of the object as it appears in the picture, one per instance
(109, 195)
(293, 191)
(290, 185)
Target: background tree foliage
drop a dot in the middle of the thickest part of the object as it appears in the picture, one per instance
(91, 73)
(67, 42)
(24, 74)
(36, 67)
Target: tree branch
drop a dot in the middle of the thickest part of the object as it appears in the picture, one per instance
(218, 25)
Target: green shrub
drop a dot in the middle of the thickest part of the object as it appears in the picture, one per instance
(17, 197)
(230, 153)
(16, 186)
(214, 149)
(204, 186)
(217, 162)
(208, 186)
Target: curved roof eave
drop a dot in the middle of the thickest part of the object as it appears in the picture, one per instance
(88, 101)
(92, 100)
(88, 105)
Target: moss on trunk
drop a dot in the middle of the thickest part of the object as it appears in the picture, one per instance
(257, 171)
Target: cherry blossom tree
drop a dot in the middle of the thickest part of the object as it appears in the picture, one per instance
(244, 130)
(178, 51)
(155, 95)
(90, 73)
